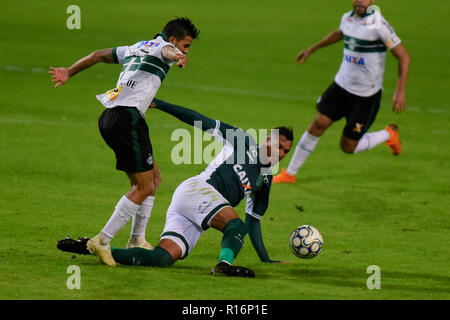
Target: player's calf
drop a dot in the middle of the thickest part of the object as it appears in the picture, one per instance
(157, 257)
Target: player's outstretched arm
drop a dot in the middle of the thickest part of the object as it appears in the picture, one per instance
(186, 115)
(255, 235)
(61, 75)
(173, 54)
(399, 99)
(333, 37)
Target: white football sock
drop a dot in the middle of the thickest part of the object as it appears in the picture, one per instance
(304, 147)
(141, 217)
(370, 140)
(125, 210)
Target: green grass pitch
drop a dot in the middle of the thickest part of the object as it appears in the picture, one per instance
(57, 176)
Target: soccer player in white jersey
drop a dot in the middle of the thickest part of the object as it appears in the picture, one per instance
(241, 170)
(123, 126)
(356, 91)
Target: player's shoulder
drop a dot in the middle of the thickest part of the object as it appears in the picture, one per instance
(147, 45)
(348, 15)
(383, 20)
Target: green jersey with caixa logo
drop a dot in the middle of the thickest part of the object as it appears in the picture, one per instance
(237, 172)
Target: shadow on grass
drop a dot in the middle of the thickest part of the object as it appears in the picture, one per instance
(356, 278)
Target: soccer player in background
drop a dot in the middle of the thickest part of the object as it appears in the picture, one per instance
(123, 127)
(241, 170)
(356, 91)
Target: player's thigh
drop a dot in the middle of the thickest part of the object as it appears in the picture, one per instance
(362, 116)
(182, 233)
(330, 109)
(198, 201)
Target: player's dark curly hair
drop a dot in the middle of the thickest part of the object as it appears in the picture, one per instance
(181, 28)
(288, 132)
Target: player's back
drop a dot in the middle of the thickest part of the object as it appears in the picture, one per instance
(237, 171)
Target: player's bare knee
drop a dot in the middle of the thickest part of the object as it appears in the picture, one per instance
(347, 147)
(146, 189)
(317, 127)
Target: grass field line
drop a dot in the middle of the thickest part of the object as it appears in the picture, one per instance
(244, 92)
(65, 122)
(207, 88)
(227, 90)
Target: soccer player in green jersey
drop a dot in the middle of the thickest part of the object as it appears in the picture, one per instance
(241, 170)
(123, 127)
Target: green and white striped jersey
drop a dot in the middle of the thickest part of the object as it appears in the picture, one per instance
(144, 69)
(366, 40)
(237, 171)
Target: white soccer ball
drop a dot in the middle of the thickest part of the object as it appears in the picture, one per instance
(306, 242)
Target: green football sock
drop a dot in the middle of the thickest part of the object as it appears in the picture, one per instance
(233, 239)
(226, 254)
(157, 257)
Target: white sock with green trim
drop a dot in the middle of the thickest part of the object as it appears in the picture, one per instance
(371, 140)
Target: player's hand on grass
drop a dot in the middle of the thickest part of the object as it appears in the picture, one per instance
(399, 101)
(303, 55)
(60, 75)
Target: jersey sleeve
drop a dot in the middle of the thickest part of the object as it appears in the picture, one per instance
(387, 34)
(256, 204)
(216, 128)
(255, 235)
(119, 54)
(189, 116)
(342, 22)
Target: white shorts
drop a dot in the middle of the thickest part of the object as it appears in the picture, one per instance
(194, 203)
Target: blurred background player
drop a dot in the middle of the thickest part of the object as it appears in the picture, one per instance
(123, 126)
(356, 91)
(241, 170)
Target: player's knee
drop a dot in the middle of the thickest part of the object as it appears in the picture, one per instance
(318, 127)
(236, 225)
(146, 189)
(348, 148)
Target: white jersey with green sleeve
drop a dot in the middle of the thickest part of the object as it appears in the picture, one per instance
(144, 69)
(366, 41)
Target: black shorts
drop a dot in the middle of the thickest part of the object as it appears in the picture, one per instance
(360, 112)
(126, 132)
